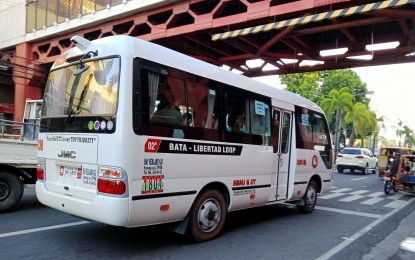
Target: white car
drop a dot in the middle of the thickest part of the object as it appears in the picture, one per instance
(361, 159)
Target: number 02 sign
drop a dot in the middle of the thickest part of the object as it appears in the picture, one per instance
(152, 145)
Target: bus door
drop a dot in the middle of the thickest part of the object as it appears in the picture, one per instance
(281, 138)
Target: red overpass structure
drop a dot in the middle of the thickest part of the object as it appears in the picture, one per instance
(282, 36)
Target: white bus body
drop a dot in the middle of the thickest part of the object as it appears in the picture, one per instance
(104, 156)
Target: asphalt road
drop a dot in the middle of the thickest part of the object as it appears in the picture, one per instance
(355, 221)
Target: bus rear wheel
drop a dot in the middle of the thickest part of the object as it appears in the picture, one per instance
(207, 216)
(310, 199)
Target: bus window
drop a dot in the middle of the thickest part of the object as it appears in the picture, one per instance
(312, 133)
(285, 136)
(275, 129)
(260, 122)
(203, 103)
(169, 102)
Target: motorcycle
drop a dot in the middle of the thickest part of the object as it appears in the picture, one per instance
(389, 182)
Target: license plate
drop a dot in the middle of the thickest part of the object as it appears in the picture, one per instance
(70, 172)
(386, 178)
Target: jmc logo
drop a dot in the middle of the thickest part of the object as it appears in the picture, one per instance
(67, 154)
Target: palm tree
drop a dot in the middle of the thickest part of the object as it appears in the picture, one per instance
(409, 136)
(399, 131)
(366, 125)
(355, 114)
(335, 102)
(380, 123)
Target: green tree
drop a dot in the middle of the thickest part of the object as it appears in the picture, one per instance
(345, 78)
(305, 84)
(366, 125)
(380, 124)
(399, 132)
(409, 139)
(337, 102)
(356, 115)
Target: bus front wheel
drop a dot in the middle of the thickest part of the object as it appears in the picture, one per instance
(207, 216)
(309, 200)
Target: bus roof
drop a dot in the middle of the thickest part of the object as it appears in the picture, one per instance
(127, 46)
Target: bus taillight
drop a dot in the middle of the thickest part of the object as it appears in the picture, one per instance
(112, 181)
(40, 172)
(115, 187)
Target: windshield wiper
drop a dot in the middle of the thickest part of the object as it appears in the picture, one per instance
(81, 99)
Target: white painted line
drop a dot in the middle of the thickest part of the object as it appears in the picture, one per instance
(27, 231)
(371, 201)
(350, 212)
(352, 198)
(358, 192)
(361, 232)
(357, 179)
(376, 194)
(394, 204)
(330, 196)
(395, 196)
(341, 190)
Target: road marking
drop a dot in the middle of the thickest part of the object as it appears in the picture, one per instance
(358, 192)
(350, 212)
(396, 196)
(352, 198)
(357, 179)
(27, 231)
(376, 194)
(330, 196)
(394, 204)
(341, 190)
(361, 232)
(372, 201)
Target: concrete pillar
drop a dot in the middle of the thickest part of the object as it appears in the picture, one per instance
(27, 79)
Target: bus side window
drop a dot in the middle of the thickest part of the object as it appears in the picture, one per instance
(237, 125)
(285, 136)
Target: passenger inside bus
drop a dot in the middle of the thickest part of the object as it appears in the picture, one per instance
(168, 110)
(235, 123)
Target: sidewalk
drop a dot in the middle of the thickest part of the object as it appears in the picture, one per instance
(399, 245)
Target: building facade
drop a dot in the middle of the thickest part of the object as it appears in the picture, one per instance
(34, 32)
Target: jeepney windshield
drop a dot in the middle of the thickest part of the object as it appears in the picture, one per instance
(92, 92)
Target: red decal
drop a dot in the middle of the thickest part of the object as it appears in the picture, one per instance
(152, 145)
(314, 161)
(79, 173)
(40, 145)
(61, 171)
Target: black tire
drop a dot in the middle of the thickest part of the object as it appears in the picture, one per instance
(11, 190)
(375, 170)
(387, 187)
(395, 189)
(207, 216)
(310, 199)
(339, 169)
(365, 170)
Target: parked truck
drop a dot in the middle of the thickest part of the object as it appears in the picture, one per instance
(18, 154)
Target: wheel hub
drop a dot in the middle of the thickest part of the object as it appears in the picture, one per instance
(311, 196)
(4, 191)
(209, 215)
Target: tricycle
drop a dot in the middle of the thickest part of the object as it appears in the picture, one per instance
(404, 180)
